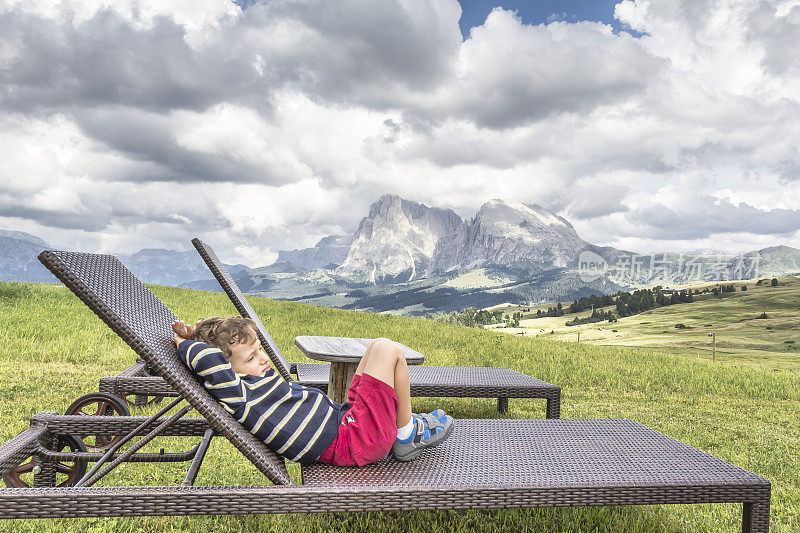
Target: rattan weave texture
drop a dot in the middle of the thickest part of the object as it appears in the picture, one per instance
(143, 321)
(144, 501)
(313, 374)
(548, 453)
(145, 385)
(114, 425)
(139, 368)
(485, 382)
(20, 448)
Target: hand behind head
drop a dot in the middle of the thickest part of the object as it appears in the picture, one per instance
(182, 331)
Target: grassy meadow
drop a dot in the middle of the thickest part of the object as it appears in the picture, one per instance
(741, 336)
(53, 349)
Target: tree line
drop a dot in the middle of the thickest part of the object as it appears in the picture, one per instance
(627, 304)
(470, 317)
(596, 316)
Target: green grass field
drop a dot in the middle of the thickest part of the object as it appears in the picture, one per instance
(53, 349)
(741, 337)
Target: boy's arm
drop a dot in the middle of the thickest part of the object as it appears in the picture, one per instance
(209, 364)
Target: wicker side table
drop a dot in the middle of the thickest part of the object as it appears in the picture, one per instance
(344, 354)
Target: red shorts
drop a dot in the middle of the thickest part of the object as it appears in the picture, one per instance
(369, 428)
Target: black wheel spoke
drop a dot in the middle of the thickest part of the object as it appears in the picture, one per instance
(101, 408)
(62, 468)
(24, 468)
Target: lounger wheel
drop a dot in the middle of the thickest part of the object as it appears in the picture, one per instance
(133, 399)
(67, 472)
(99, 404)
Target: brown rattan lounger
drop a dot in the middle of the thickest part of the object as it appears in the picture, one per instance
(472, 382)
(484, 464)
(433, 381)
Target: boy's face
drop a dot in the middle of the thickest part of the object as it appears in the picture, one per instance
(248, 358)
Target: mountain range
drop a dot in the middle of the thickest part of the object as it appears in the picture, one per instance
(401, 240)
(406, 257)
(19, 251)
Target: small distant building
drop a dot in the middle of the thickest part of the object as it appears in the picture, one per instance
(669, 292)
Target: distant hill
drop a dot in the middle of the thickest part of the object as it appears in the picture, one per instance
(779, 261)
(329, 252)
(18, 251)
(669, 268)
(171, 267)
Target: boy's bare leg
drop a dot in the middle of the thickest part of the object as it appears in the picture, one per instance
(402, 386)
(363, 362)
(384, 360)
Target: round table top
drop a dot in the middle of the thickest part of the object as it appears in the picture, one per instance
(345, 349)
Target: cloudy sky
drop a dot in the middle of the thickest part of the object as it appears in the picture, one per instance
(651, 125)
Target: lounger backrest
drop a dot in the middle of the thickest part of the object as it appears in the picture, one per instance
(243, 306)
(143, 321)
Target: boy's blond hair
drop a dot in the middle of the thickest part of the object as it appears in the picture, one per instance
(225, 332)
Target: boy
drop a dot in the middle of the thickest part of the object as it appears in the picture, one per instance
(301, 423)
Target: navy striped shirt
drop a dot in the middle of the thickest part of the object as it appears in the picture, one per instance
(296, 422)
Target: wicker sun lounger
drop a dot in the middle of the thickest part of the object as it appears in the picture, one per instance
(428, 381)
(471, 382)
(485, 464)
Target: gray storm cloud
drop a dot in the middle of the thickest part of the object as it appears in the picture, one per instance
(139, 124)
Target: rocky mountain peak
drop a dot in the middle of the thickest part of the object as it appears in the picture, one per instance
(498, 210)
(397, 240)
(22, 236)
(393, 207)
(384, 204)
(511, 234)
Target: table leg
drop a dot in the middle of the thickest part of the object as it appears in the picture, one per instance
(502, 405)
(755, 517)
(339, 381)
(554, 406)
